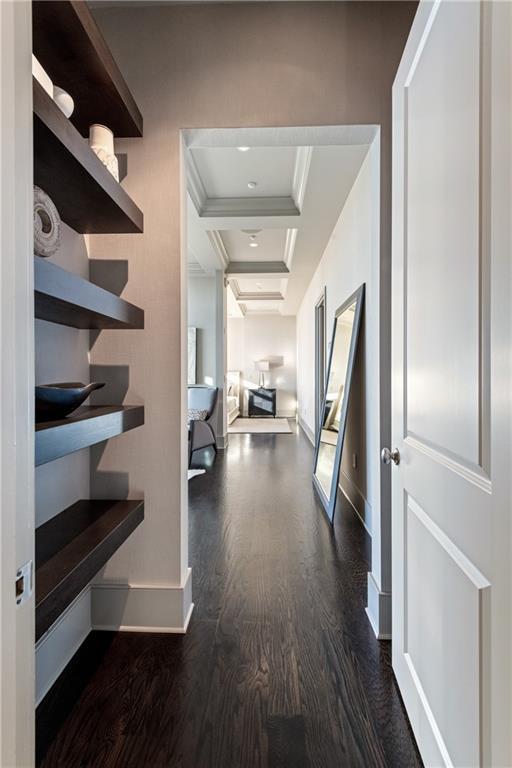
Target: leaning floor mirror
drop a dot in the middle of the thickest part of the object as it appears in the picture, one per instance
(333, 420)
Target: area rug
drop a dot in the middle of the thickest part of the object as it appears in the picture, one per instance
(260, 426)
(194, 472)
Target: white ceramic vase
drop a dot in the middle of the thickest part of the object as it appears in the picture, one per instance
(101, 141)
(46, 224)
(63, 100)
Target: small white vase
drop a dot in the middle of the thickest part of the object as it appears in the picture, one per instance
(101, 141)
(63, 100)
(42, 78)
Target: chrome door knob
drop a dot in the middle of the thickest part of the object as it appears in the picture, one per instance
(388, 456)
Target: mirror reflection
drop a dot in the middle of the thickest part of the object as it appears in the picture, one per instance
(333, 416)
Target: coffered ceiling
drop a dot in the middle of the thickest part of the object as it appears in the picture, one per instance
(264, 214)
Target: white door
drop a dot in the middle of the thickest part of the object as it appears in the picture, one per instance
(16, 386)
(452, 388)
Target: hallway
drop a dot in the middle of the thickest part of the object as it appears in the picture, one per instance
(279, 668)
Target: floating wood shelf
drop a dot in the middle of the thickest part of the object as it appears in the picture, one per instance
(87, 196)
(64, 298)
(73, 546)
(72, 50)
(85, 427)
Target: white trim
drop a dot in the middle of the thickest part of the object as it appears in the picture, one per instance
(264, 311)
(378, 609)
(17, 692)
(154, 630)
(289, 136)
(195, 184)
(289, 247)
(222, 440)
(300, 174)
(248, 206)
(350, 490)
(218, 246)
(307, 431)
(58, 645)
(142, 608)
(259, 269)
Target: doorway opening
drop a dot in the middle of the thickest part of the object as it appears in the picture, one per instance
(276, 219)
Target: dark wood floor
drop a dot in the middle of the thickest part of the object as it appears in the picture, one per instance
(279, 668)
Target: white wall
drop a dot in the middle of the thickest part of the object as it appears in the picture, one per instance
(351, 258)
(202, 315)
(269, 337)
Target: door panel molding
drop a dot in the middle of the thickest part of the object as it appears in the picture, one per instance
(451, 524)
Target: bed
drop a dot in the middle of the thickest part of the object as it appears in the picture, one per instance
(233, 395)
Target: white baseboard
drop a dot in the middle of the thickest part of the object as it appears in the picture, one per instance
(379, 610)
(222, 441)
(307, 431)
(57, 647)
(356, 500)
(142, 608)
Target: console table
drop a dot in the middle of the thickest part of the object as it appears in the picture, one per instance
(262, 402)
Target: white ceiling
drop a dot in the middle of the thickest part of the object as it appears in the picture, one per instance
(227, 171)
(270, 244)
(291, 214)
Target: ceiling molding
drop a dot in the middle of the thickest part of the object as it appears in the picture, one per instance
(262, 296)
(218, 246)
(254, 295)
(300, 174)
(258, 268)
(316, 136)
(195, 184)
(194, 269)
(269, 311)
(248, 207)
(289, 247)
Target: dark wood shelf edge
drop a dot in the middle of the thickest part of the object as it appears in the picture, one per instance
(72, 547)
(87, 196)
(85, 427)
(70, 46)
(67, 299)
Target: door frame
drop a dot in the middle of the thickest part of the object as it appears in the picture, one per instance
(17, 649)
(320, 355)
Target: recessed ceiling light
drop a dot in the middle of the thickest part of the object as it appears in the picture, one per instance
(243, 149)
(253, 244)
(252, 184)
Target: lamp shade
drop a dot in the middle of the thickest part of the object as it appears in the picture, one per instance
(262, 365)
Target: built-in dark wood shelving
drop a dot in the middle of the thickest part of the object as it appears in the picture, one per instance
(67, 299)
(73, 546)
(86, 426)
(72, 50)
(87, 196)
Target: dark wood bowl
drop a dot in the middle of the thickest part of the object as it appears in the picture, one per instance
(56, 401)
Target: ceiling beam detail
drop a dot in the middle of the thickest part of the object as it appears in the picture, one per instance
(218, 246)
(300, 175)
(258, 268)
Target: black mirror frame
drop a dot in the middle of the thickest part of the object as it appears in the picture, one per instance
(329, 504)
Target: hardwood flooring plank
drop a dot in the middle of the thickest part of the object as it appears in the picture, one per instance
(279, 668)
